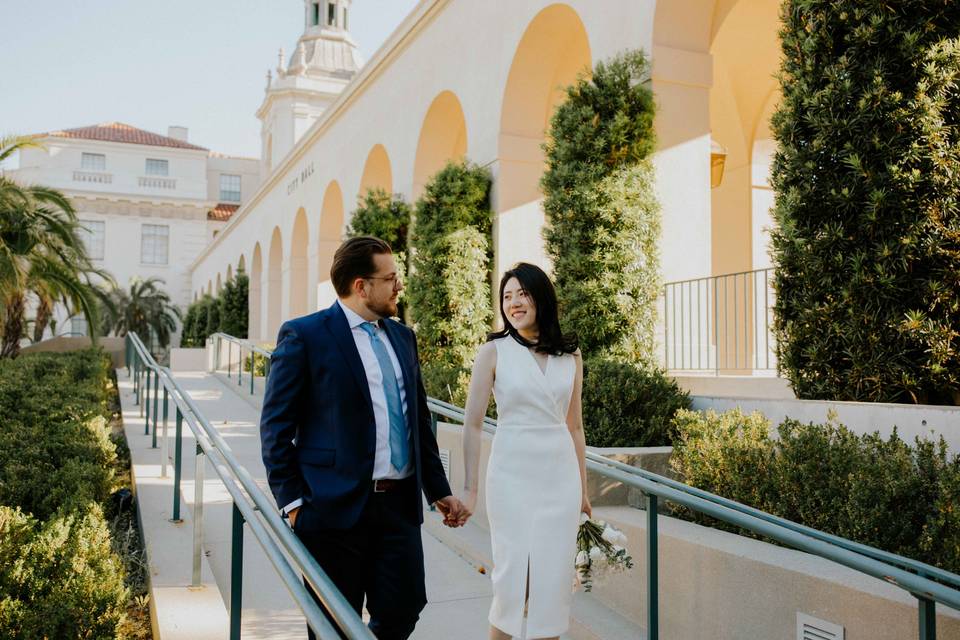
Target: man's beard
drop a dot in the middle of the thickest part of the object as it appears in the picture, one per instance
(386, 309)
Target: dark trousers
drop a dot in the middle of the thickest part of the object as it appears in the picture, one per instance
(380, 558)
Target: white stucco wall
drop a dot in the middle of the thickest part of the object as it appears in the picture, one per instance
(468, 48)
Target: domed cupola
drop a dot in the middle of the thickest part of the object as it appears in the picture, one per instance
(301, 88)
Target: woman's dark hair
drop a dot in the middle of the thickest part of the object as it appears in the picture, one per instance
(354, 259)
(538, 286)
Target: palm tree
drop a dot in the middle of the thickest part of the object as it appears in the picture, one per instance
(146, 310)
(40, 249)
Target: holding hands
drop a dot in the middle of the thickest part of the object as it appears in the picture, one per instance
(453, 510)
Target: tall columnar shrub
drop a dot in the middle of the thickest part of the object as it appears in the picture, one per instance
(388, 218)
(867, 177)
(449, 291)
(603, 220)
(235, 306)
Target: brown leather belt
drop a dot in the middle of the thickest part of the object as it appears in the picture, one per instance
(386, 484)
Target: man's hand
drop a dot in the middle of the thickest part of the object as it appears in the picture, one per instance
(451, 508)
(293, 516)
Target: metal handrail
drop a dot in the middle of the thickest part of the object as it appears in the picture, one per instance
(242, 344)
(250, 506)
(720, 323)
(921, 568)
(868, 560)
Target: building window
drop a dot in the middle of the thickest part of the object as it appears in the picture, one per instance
(94, 235)
(157, 167)
(154, 243)
(331, 14)
(316, 14)
(345, 27)
(93, 161)
(229, 188)
(78, 326)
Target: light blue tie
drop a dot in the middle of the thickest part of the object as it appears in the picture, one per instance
(399, 437)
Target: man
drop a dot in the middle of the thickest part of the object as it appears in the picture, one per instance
(347, 442)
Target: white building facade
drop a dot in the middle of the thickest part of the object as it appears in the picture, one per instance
(149, 203)
(460, 78)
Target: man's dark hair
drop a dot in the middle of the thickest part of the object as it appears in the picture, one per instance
(354, 259)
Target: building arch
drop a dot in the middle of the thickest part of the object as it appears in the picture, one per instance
(443, 137)
(552, 52)
(255, 299)
(274, 284)
(299, 239)
(377, 173)
(329, 238)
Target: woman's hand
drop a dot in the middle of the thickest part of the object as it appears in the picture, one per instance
(585, 506)
(469, 502)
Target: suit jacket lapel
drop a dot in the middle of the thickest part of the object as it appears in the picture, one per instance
(338, 326)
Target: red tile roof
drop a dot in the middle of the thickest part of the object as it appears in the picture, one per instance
(119, 132)
(222, 212)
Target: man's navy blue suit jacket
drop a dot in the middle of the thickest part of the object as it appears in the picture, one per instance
(317, 427)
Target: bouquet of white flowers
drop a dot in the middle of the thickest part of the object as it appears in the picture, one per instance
(600, 549)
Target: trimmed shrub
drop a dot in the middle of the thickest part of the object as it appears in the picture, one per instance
(213, 318)
(386, 217)
(55, 450)
(449, 291)
(877, 491)
(235, 306)
(602, 218)
(196, 322)
(867, 181)
(59, 578)
(625, 405)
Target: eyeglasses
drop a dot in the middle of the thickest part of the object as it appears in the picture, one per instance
(392, 280)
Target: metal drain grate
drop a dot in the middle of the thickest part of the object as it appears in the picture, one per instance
(810, 628)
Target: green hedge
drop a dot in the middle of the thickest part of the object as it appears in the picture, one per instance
(881, 492)
(449, 290)
(867, 182)
(59, 577)
(626, 405)
(602, 217)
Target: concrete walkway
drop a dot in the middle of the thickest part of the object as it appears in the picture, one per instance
(459, 595)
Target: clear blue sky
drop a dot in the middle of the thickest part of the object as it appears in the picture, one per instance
(196, 63)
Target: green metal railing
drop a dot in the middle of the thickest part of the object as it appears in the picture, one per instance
(241, 345)
(250, 505)
(928, 584)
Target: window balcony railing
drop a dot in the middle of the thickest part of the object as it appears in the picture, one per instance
(93, 176)
(157, 183)
(721, 324)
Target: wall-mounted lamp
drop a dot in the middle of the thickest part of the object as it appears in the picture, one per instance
(718, 158)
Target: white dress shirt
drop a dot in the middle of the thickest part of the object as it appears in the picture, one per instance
(371, 366)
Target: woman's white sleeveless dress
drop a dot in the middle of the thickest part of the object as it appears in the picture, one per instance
(533, 492)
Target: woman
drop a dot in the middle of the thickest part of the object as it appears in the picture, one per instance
(536, 478)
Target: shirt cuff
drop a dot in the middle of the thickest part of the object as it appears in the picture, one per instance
(296, 504)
